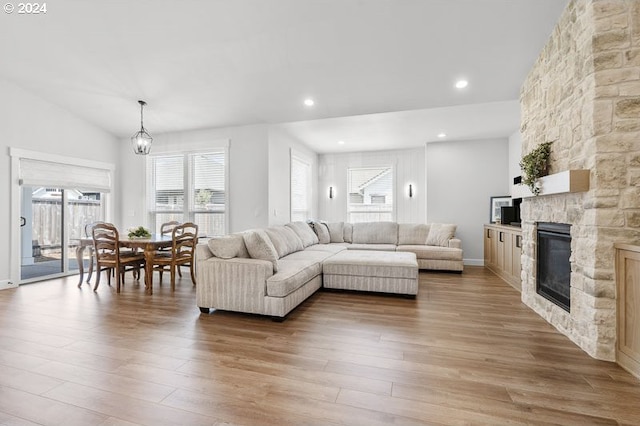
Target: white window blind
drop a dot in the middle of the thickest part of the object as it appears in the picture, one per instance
(370, 194)
(167, 178)
(208, 176)
(59, 175)
(300, 189)
(189, 187)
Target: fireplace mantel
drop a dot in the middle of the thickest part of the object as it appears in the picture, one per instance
(557, 183)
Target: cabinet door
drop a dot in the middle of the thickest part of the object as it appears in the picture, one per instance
(501, 258)
(487, 246)
(516, 253)
(628, 286)
(494, 248)
(508, 253)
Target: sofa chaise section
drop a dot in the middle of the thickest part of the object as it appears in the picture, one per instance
(271, 285)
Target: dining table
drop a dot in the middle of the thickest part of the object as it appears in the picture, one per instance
(149, 245)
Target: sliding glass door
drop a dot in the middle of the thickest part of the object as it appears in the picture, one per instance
(52, 222)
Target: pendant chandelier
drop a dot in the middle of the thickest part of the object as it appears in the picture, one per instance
(141, 141)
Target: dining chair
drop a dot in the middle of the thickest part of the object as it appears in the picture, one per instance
(106, 246)
(88, 233)
(184, 239)
(166, 229)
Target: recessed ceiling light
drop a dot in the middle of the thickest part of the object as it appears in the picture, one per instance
(461, 84)
(309, 102)
(442, 135)
(340, 142)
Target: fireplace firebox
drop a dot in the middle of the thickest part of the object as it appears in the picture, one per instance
(553, 279)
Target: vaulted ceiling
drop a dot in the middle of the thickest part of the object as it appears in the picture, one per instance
(215, 63)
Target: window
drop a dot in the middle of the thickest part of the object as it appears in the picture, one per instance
(370, 194)
(300, 189)
(189, 188)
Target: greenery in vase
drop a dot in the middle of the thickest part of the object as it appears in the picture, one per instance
(534, 165)
(139, 232)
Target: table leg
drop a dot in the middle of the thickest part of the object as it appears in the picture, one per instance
(148, 268)
(79, 254)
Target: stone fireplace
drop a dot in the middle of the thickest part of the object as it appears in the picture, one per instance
(583, 94)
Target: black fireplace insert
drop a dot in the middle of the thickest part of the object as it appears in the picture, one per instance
(553, 280)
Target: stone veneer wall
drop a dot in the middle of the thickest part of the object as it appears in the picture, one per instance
(583, 94)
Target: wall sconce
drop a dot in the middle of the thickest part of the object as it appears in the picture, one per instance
(410, 191)
(331, 192)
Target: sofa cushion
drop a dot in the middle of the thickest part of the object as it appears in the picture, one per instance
(260, 246)
(375, 233)
(304, 232)
(412, 233)
(331, 248)
(322, 232)
(284, 239)
(336, 232)
(348, 233)
(432, 252)
(228, 246)
(372, 264)
(292, 274)
(377, 247)
(440, 234)
(315, 255)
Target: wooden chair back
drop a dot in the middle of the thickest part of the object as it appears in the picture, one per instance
(105, 242)
(167, 227)
(185, 239)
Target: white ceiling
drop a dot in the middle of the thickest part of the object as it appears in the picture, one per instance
(214, 63)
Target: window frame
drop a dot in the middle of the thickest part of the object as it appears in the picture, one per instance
(189, 210)
(295, 156)
(393, 195)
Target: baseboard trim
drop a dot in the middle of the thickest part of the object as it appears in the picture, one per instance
(473, 262)
(6, 284)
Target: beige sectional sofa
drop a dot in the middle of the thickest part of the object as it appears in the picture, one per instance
(271, 271)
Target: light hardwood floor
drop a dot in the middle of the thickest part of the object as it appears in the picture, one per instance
(466, 351)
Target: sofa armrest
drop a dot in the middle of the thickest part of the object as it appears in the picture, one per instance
(203, 252)
(455, 243)
(237, 284)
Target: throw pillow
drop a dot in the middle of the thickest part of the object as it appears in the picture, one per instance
(348, 233)
(278, 241)
(228, 247)
(336, 232)
(322, 232)
(440, 234)
(412, 233)
(304, 231)
(294, 243)
(260, 246)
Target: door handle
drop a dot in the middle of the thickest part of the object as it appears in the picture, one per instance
(23, 221)
(501, 238)
(518, 241)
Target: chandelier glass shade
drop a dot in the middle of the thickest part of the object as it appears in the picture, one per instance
(141, 140)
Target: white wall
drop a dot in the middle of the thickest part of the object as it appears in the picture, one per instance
(461, 178)
(248, 172)
(31, 123)
(515, 154)
(280, 146)
(409, 168)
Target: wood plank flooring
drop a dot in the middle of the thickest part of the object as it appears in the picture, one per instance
(466, 351)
